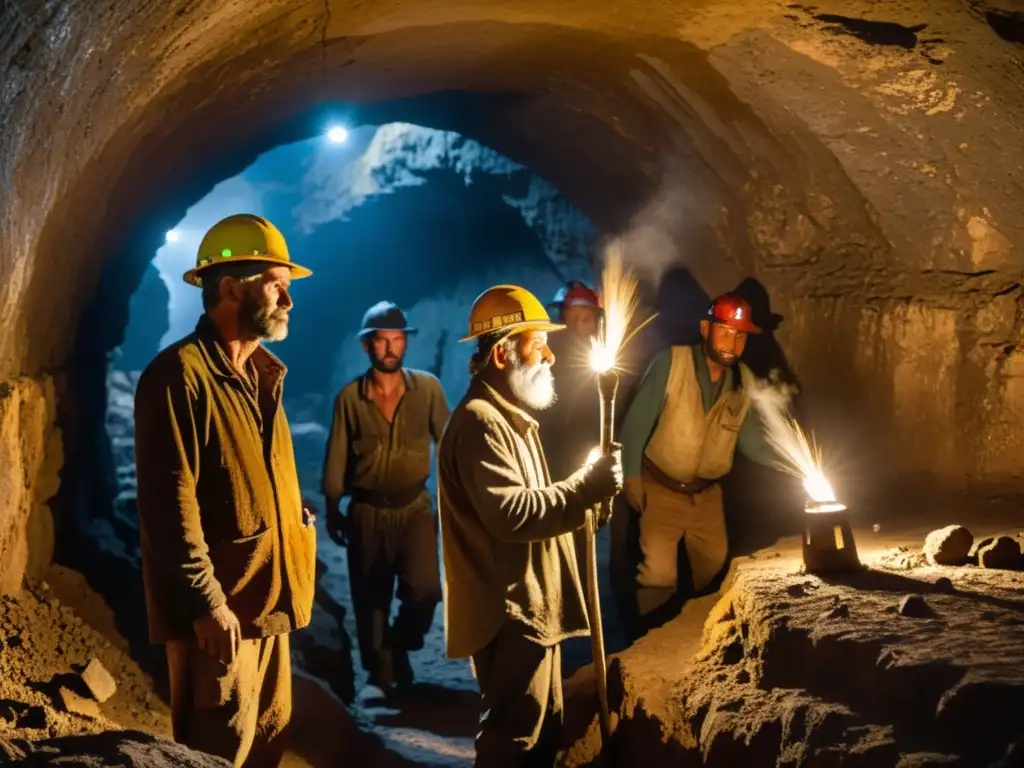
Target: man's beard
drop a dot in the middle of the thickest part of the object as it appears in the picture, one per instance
(713, 355)
(386, 364)
(533, 385)
(266, 323)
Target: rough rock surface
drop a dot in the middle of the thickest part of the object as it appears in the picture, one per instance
(52, 629)
(42, 641)
(1002, 552)
(30, 457)
(854, 159)
(130, 749)
(778, 670)
(948, 546)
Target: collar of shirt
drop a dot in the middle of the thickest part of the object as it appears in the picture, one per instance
(366, 384)
(212, 347)
(710, 390)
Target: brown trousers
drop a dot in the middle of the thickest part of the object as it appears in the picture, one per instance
(666, 517)
(521, 701)
(385, 546)
(239, 712)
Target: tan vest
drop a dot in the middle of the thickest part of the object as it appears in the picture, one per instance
(687, 442)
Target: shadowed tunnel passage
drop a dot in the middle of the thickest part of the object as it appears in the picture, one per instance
(863, 169)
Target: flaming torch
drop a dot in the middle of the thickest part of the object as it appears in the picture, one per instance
(828, 543)
(620, 298)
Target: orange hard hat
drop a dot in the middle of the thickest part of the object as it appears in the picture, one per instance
(732, 311)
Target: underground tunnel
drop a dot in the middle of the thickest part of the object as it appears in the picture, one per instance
(853, 169)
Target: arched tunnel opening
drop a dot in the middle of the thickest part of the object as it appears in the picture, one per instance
(854, 175)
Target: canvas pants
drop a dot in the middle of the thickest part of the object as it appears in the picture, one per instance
(385, 545)
(241, 711)
(666, 517)
(521, 701)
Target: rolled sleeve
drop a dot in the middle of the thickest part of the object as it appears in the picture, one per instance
(753, 441)
(439, 412)
(336, 458)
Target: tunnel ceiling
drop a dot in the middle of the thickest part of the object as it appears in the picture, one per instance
(862, 159)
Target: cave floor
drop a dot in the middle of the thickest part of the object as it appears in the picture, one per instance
(785, 667)
(820, 670)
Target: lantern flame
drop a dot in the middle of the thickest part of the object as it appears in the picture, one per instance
(620, 296)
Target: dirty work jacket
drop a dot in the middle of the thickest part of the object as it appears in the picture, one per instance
(506, 530)
(218, 494)
(689, 426)
(365, 452)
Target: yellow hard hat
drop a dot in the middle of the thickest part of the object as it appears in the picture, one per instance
(242, 237)
(508, 308)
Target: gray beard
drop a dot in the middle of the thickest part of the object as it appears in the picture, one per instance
(267, 324)
(533, 386)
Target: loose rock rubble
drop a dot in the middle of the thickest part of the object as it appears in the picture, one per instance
(948, 546)
(881, 667)
(1003, 553)
(954, 545)
(61, 676)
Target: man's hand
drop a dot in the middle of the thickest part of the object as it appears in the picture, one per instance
(308, 512)
(219, 633)
(337, 525)
(604, 476)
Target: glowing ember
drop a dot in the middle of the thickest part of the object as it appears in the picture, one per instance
(620, 295)
(818, 487)
(798, 454)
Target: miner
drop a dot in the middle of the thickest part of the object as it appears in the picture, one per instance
(571, 427)
(228, 546)
(513, 591)
(378, 455)
(690, 413)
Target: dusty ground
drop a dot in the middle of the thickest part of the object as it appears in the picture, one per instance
(789, 668)
(781, 668)
(36, 658)
(435, 723)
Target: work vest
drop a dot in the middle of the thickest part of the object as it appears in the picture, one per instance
(688, 443)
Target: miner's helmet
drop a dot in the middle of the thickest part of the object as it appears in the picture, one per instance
(385, 316)
(242, 237)
(732, 311)
(508, 309)
(574, 294)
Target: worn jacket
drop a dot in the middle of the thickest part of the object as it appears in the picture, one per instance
(677, 386)
(506, 529)
(218, 493)
(365, 452)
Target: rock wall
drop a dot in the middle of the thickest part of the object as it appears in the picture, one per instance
(31, 446)
(945, 380)
(861, 160)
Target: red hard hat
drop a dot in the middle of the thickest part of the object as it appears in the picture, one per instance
(732, 311)
(575, 294)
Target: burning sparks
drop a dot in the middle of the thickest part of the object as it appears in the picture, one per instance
(620, 294)
(799, 455)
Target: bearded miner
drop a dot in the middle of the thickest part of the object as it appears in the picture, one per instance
(228, 547)
(513, 590)
(378, 455)
(691, 412)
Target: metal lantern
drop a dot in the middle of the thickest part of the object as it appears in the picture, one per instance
(828, 538)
